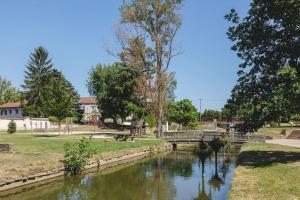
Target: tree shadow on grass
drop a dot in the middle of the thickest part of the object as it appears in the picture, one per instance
(45, 135)
(266, 158)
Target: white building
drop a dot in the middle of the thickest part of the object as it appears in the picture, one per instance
(11, 110)
(91, 111)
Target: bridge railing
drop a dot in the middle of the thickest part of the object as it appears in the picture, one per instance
(190, 135)
(251, 138)
(207, 136)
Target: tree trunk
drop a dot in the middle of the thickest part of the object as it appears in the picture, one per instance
(160, 103)
(59, 127)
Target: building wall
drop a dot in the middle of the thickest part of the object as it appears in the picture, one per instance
(89, 111)
(26, 123)
(11, 112)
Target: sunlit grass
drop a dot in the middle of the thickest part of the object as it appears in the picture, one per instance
(32, 154)
(267, 171)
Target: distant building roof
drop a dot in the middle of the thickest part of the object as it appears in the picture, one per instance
(11, 105)
(87, 100)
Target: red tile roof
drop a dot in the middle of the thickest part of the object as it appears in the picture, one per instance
(11, 105)
(87, 100)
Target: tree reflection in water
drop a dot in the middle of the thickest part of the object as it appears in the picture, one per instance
(202, 195)
(165, 176)
(204, 151)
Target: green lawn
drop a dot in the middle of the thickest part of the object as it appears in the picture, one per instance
(266, 171)
(54, 144)
(33, 154)
(274, 132)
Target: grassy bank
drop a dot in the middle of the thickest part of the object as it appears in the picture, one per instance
(266, 171)
(32, 154)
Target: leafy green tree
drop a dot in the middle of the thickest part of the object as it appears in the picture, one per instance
(114, 87)
(7, 92)
(183, 113)
(37, 77)
(267, 40)
(210, 114)
(62, 98)
(271, 106)
(12, 127)
(153, 25)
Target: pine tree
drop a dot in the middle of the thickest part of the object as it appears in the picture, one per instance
(37, 76)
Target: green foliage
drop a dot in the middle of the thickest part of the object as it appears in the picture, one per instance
(183, 113)
(73, 119)
(267, 40)
(62, 99)
(47, 92)
(295, 117)
(150, 120)
(37, 77)
(12, 127)
(77, 155)
(114, 87)
(210, 114)
(7, 92)
(52, 119)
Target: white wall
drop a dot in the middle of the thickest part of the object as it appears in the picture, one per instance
(25, 123)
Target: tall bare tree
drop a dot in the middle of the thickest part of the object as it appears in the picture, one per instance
(148, 29)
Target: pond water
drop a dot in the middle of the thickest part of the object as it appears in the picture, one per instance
(176, 175)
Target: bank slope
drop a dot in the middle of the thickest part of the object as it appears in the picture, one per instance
(266, 171)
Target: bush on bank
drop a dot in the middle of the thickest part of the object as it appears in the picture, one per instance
(77, 155)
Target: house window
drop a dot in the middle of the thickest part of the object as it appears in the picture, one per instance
(17, 111)
(10, 112)
(3, 112)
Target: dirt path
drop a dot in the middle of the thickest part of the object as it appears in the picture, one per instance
(288, 142)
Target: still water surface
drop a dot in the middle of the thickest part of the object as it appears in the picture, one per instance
(176, 175)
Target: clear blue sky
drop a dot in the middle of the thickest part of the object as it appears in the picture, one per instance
(75, 32)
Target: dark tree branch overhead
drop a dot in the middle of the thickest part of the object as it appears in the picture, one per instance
(268, 42)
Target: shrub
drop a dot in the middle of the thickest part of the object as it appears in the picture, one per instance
(52, 119)
(151, 121)
(12, 127)
(73, 119)
(77, 155)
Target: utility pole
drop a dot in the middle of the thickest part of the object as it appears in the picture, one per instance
(200, 107)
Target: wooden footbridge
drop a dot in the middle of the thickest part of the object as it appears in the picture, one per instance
(186, 137)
